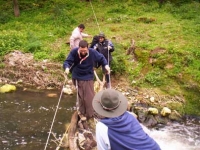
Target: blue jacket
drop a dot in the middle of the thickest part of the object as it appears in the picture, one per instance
(126, 133)
(83, 70)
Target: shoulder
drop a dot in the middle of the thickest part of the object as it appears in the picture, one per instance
(76, 30)
(92, 50)
(74, 51)
(101, 125)
(101, 129)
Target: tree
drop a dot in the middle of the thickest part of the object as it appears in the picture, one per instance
(16, 8)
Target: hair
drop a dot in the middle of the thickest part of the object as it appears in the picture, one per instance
(83, 44)
(81, 26)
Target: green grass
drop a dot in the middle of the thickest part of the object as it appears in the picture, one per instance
(44, 27)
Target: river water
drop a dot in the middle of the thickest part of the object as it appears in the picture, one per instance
(26, 118)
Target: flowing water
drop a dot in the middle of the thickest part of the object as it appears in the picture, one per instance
(26, 117)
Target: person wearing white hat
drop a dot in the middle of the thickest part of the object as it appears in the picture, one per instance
(119, 129)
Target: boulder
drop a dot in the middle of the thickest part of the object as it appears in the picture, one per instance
(7, 88)
(153, 111)
(175, 116)
(165, 111)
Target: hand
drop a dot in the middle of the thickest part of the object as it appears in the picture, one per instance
(67, 71)
(107, 68)
(109, 47)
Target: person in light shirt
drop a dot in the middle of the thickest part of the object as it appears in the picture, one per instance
(77, 35)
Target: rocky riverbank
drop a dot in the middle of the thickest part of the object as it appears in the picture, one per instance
(151, 105)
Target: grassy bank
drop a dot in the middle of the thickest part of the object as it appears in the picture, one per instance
(44, 27)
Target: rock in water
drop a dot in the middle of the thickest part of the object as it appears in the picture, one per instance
(7, 88)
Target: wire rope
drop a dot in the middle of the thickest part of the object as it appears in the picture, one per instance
(100, 31)
(55, 114)
(95, 16)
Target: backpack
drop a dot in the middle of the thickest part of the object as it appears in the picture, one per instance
(95, 40)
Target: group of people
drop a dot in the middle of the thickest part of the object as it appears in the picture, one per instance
(118, 130)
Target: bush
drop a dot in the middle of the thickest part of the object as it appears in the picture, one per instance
(8, 43)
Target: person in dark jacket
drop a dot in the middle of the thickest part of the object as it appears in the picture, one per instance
(105, 47)
(80, 62)
(119, 129)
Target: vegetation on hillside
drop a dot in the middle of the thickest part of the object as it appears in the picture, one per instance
(166, 33)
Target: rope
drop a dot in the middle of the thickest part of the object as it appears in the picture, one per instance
(95, 16)
(100, 31)
(55, 113)
(109, 66)
(77, 98)
(60, 143)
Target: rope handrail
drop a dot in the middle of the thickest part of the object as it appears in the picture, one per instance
(95, 16)
(100, 31)
(55, 113)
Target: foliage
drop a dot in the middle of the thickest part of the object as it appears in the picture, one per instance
(155, 77)
(193, 101)
(8, 43)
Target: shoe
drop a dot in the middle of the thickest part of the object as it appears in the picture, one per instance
(82, 117)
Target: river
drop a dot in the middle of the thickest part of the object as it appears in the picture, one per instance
(26, 118)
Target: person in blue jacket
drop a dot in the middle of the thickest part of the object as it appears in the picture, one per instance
(106, 48)
(80, 62)
(119, 129)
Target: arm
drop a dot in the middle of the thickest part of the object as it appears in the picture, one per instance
(101, 60)
(95, 47)
(110, 46)
(75, 35)
(71, 40)
(102, 139)
(98, 57)
(85, 35)
(69, 60)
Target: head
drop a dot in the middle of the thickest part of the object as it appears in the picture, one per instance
(101, 37)
(81, 27)
(110, 103)
(83, 48)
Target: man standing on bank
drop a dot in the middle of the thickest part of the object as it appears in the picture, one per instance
(81, 61)
(119, 129)
(77, 36)
(105, 47)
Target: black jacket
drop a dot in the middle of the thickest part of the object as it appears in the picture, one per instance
(103, 49)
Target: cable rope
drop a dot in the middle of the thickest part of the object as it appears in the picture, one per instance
(55, 113)
(110, 70)
(77, 97)
(95, 16)
(100, 31)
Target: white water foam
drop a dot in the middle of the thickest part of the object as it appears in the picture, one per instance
(171, 138)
